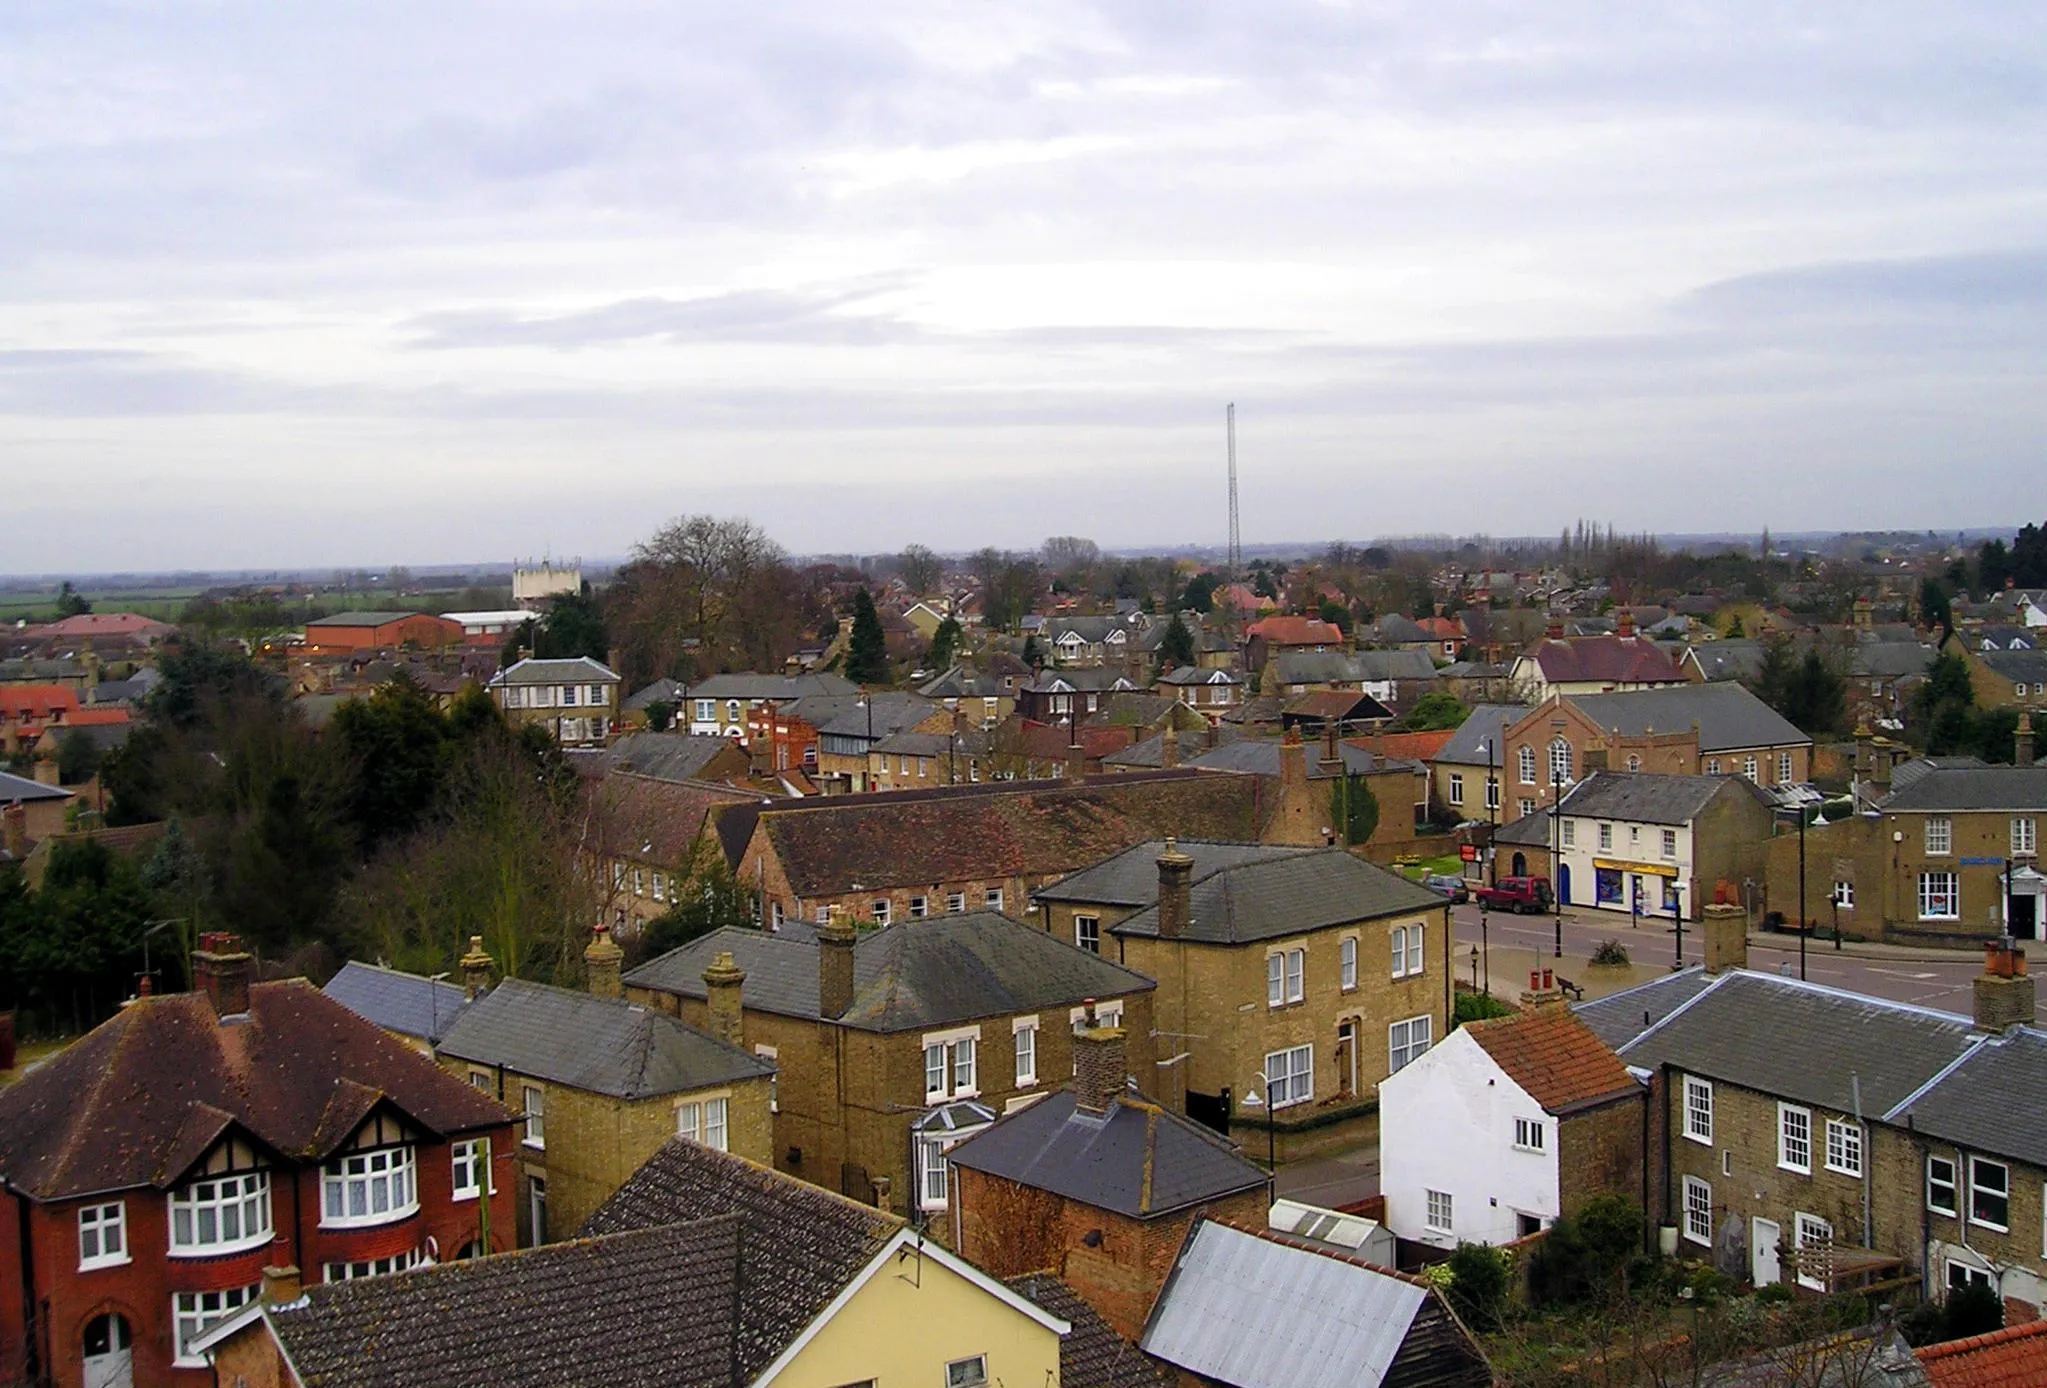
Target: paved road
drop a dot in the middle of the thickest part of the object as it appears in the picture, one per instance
(1515, 942)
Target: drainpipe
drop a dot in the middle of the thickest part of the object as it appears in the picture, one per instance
(32, 1323)
(1646, 1097)
(1862, 1126)
(1664, 1071)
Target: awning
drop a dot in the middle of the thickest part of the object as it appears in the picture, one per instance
(1647, 869)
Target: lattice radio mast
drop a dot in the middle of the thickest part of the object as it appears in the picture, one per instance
(1236, 537)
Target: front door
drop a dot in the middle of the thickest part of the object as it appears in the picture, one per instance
(536, 1209)
(109, 1360)
(1347, 1055)
(2024, 916)
(1763, 1268)
(1564, 883)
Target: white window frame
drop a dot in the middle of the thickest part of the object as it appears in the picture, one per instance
(1969, 1274)
(1561, 762)
(1749, 769)
(773, 1056)
(952, 1057)
(1275, 980)
(706, 1122)
(533, 1107)
(471, 1156)
(1977, 1167)
(1783, 768)
(103, 1235)
(1605, 838)
(1789, 1143)
(1712, 766)
(1698, 1110)
(1698, 1211)
(991, 899)
(1492, 792)
(1939, 836)
(1347, 963)
(971, 1372)
(1526, 761)
(1803, 1224)
(1529, 1136)
(955, 903)
(1439, 1211)
(354, 1183)
(1406, 946)
(1669, 843)
(1844, 1147)
(1951, 1183)
(920, 907)
(880, 911)
(1402, 1049)
(1289, 1077)
(1942, 902)
(1568, 833)
(1087, 933)
(1456, 788)
(247, 1193)
(1024, 1033)
(194, 1313)
(1844, 894)
(372, 1267)
(2025, 836)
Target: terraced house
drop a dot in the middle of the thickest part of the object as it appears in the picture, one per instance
(1301, 976)
(155, 1167)
(894, 1044)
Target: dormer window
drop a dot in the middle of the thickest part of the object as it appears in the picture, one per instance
(368, 1188)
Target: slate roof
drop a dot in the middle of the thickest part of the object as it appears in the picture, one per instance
(2014, 1357)
(1728, 716)
(666, 756)
(144, 1095)
(1958, 789)
(1253, 1311)
(661, 691)
(1891, 659)
(1137, 1159)
(1995, 1100)
(906, 977)
(1131, 878)
(1011, 829)
(1326, 705)
(405, 1003)
(1261, 756)
(1646, 797)
(1802, 1041)
(1288, 896)
(1199, 675)
(1485, 721)
(1619, 1018)
(667, 1307)
(13, 788)
(1150, 752)
(781, 688)
(842, 715)
(1337, 667)
(962, 683)
(604, 1045)
(1553, 1055)
(1086, 679)
(532, 671)
(1091, 1355)
(1144, 711)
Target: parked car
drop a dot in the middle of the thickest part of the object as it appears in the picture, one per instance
(1521, 895)
(1448, 885)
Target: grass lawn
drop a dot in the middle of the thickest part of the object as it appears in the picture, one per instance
(28, 1054)
(1443, 864)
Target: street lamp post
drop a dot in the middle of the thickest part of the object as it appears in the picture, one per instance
(1799, 810)
(1492, 807)
(1556, 819)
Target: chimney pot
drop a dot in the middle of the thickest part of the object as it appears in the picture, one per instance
(2004, 991)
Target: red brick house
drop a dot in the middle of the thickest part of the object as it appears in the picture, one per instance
(157, 1166)
(370, 631)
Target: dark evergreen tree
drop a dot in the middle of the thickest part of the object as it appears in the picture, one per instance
(867, 648)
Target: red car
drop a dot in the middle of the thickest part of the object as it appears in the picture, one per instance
(1521, 895)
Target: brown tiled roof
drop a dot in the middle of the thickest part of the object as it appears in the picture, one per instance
(799, 1244)
(655, 821)
(144, 1094)
(1607, 659)
(1296, 631)
(1091, 1355)
(1555, 1057)
(1045, 742)
(1413, 746)
(656, 1308)
(1023, 829)
(2014, 1357)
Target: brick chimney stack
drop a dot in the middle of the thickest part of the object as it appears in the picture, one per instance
(282, 1285)
(1624, 624)
(1169, 747)
(1725, 928)
(2004, 991)
(602, 960)
(2023, 739)
(1099, 1071)
(1293, 761)
(14, 830)
(722, 982)
(834, 969)
(221, 968)
(477, 969)
(1176, 876)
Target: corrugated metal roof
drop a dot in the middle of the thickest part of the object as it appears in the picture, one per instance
(1253, 1313)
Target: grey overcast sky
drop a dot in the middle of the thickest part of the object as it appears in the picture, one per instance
(301, 284)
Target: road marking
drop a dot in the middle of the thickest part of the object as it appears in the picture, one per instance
(1900, 973)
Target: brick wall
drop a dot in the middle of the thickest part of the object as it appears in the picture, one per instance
(1600, 1152)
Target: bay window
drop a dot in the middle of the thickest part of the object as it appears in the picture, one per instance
(220, 1214)
(368, 1188)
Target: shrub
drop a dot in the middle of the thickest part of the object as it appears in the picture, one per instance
(1587, 1256)
(1973, 1309)
(1477, 1007)
(1610, 952)
(1478, 1286)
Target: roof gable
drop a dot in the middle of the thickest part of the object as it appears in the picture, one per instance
(1558, 1060)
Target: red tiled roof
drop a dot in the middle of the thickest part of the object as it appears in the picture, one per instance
(1413, 746)
(1049, 742)
(96, 717)
(1295, 631)
(144, 1095)
(1554, 1056)
(1606, 659)
(36, 700)
(656, 821)
(2014, 1357)
(1442, 628)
